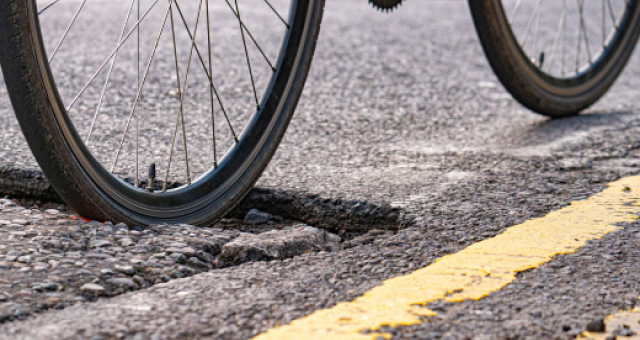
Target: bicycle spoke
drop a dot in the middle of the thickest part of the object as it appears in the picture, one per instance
(64, 35)
(530, 23)
(175, 48)
(278, 14)
(558, 35)
(181, 94)
(604, 23)
(137, 111)
(184, 91)
(246, 53)
(613, 18)
(515, 11)
(106, 83)
(584, 29)
(184, 21)
(536, 37)
(180, 117)
(213, 120)
(144, 78)
(251, 36)
(578, 50)
(48, 6)
(75, 99)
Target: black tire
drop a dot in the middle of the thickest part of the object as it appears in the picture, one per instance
(538, 91)
(95, 193)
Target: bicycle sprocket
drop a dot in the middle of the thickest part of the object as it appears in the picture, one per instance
(385, 5)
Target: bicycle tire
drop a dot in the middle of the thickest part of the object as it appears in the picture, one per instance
(547, 95)
(94, 193)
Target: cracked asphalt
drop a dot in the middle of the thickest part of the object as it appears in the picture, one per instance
(401, 113)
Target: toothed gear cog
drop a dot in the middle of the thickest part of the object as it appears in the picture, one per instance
(385, 5)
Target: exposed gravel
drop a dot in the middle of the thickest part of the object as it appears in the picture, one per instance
(51, 259)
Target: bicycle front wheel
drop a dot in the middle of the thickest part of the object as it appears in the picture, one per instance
(557, 57)
(155, 111)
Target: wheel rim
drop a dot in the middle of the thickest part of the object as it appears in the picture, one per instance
(566, 40)
(210, 183)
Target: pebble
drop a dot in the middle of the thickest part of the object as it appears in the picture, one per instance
(92, 288)
(194, 261)
(124, 269)
(52, 300)
(100, 243)
(120, 226)
(255, 216)
(178, 257)
(123, 282)
(139, 280)
(45, 286)
(25, 259)
(52, 211)
(205, 257)
(74, 254)
(126, 242)
(596, 326)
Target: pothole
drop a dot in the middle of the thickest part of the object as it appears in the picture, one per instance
(347, 218)
(50, 258)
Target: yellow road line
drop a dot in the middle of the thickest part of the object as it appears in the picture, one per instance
(472, 273)
(625, 324)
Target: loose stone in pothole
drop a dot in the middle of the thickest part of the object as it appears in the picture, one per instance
(92, 288)
(255, 216)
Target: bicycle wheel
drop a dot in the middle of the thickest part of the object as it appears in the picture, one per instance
(104, 91)
(557, 57)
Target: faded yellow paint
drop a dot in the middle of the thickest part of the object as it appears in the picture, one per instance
(472, 273)
(614, 325)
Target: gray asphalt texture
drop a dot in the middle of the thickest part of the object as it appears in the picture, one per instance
(403, 111)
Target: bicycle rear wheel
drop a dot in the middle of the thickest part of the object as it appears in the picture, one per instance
(104, 91)
(557, 57)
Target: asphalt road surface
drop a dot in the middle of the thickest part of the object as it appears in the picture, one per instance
(401, 117)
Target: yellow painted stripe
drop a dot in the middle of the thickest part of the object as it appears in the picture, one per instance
(472, 273)
(615, 325)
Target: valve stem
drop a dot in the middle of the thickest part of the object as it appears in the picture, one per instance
(152, 177)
